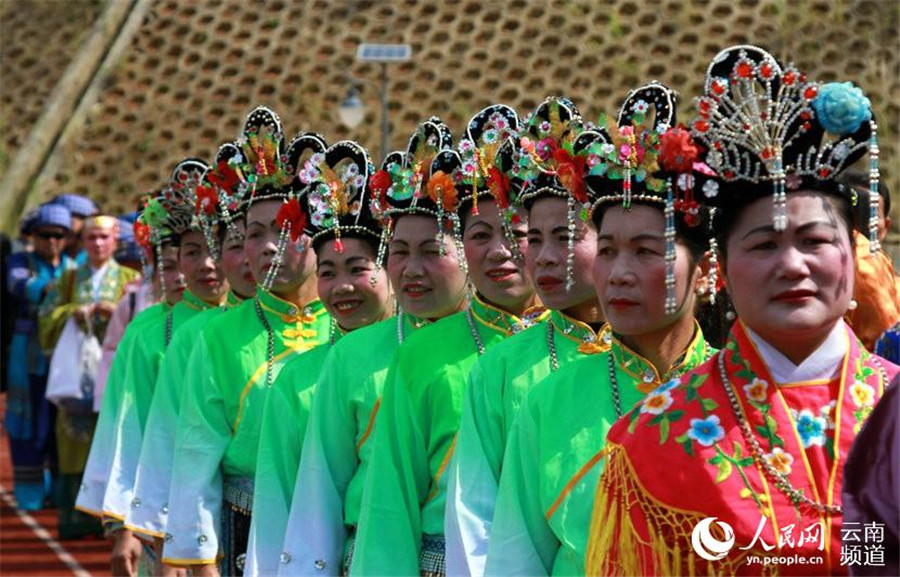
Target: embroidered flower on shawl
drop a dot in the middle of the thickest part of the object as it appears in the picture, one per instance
(863, 394)
(668, 385)
(706, 431)
(780, 460)
(811, 429)
(827, 412)
(756, 390)
(656, 402)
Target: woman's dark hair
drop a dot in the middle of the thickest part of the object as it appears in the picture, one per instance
(727, 217)
(694, 238)
(859, 182)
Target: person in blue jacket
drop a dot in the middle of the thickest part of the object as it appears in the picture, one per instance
(30, 418)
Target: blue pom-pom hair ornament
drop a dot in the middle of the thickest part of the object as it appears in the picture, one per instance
(764, 122)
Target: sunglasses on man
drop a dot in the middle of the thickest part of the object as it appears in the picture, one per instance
(47, 235)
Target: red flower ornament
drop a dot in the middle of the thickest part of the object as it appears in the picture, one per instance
(207, 200)
(292, 214)
(498, 184)
(677, 150)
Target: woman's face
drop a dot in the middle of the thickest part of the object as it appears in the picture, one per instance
(427, 285)
(261, 246)
(630, 271)
(172, 279)
(792, 284)
(235, 265)
(548, 250)
(498, 275)
(201, 272)
(345, 284)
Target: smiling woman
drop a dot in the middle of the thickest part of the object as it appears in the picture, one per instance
(401, 531)
(336, 215)
(497, 269)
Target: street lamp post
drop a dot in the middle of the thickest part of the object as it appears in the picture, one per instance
(352, 110)
(385, 123)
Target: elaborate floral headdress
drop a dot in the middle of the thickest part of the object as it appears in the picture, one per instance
(222, 195)
(171, 213)
(766, 123)
(224, 190)
(265, 164)
(270, 170)
(653, 162)
(552, 159)
(402, 184)
(336, 199)
(486, 153)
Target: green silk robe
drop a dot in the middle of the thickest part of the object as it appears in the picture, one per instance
(405, 487)
(497, 386)
(144, 361)
(221, 413)
(154, 469)
(337, 448)
(553, 459)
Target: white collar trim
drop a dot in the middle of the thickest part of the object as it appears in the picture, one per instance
(823, 363)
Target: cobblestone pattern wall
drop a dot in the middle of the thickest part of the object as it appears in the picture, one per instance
(196, 68)
(38, 39)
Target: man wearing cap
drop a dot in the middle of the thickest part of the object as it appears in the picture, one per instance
(87, 296)
(81, 207)
(29, 417)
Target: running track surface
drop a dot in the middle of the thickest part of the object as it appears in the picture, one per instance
(30, 546)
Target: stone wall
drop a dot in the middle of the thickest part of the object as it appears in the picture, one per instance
(37, 42)
(195, 68)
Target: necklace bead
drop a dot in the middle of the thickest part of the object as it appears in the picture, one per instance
(781, 482)
(479, 344)
(551, 346)
(270, 340)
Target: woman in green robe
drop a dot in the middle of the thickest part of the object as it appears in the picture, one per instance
(647, 271)
(401, 522)
(336, 212)
(560, 255)
(236, 358)
(425, 271)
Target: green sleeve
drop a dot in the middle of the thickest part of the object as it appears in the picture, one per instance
(96, 471)
(284, 419)
(475, 472)
(390, 528)
(522, 542)
(315, 529)
(140, 377)
(203, 436)
(154, 471)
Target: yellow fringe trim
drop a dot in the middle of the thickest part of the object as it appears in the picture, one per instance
(617, 547)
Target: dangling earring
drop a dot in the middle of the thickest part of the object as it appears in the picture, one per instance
(671, 302)
(874, 198)
(713, 269)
